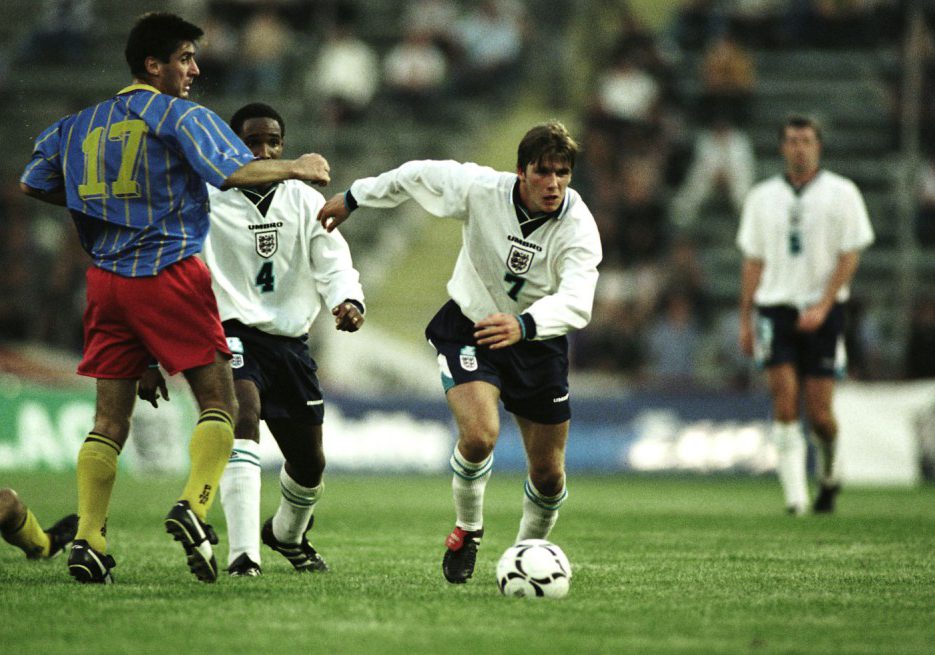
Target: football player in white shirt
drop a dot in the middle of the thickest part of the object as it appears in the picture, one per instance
(801, 235)
(523, 280)
(270, 263)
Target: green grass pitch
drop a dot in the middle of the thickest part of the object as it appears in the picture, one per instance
(661, 565)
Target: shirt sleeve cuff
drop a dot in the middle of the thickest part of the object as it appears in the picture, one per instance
(349, 201)
(527, 325)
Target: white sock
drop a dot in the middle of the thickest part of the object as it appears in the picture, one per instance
(827, 471)
(539, 512)
(792, 450)
(239, 492)
(296, 507)
(467, 486)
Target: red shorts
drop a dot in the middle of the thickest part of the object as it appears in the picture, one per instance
(171, 317)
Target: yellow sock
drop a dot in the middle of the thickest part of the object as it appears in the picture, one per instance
(210, 448)
(97, 470)
(29, 537)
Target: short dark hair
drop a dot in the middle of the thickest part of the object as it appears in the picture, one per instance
(255, 110)
(800, 121)
(546, 141)
(157, 34)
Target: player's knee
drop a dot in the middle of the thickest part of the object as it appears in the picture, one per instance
(9, 506)
(824, 425)
(308, 465)
(477, 440)
(116, 429)
(307, 472)
(247, 425)
(475, 448)
(548, 480)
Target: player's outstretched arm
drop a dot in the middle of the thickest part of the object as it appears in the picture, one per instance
(56, 197)
(334, 212)
(310, 167)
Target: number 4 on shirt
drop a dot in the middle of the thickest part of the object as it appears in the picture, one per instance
(265, 278)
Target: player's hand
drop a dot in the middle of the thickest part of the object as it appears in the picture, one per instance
(313, 168)
(746, 338)
(347, 317)
(812, 318)
(151, 384)
(498, 331)
(333, 213)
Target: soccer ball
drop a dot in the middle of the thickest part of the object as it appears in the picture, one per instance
(533, 568)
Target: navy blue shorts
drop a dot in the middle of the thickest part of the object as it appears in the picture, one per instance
(281, 368)
(815, 354)
(532, 375)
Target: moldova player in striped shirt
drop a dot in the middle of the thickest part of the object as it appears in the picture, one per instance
(132, 171)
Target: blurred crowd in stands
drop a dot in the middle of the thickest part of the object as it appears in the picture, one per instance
(655, 162)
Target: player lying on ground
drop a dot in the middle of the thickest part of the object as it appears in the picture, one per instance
(20, 527)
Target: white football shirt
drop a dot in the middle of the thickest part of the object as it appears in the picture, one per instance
(273, 271)
(799, 236)
(549, 273)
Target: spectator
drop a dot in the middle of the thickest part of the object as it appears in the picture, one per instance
(613, 341)
(62, 34)
(490, 42)
(920, 350)
(347, 74)
(696, 22)
(863, 340)
(734, 368)
(925, 204)
(724, 164)
(674, 340)
(837, 23)
(264, 44)
(416, 72)
(728, 74)
(217, 55)
(18, 285)
(435, 19)
(683, 273)
(642, 227)
(628, 96)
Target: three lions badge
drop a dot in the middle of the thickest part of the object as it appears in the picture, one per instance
(468, 356)
(519, 260)
(267, 242)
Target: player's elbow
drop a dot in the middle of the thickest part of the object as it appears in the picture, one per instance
(582, 318)
(28, 190)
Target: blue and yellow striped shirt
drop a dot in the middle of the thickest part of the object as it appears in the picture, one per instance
(134, 169)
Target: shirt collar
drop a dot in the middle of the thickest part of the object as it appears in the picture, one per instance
(138, 87)
(798, 190)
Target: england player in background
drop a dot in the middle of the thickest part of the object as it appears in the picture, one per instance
(801, 235)
(270, 262)
(523, 280)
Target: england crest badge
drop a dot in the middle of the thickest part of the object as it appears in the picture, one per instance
(468, 356)
(519, 260)
(267, 242)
